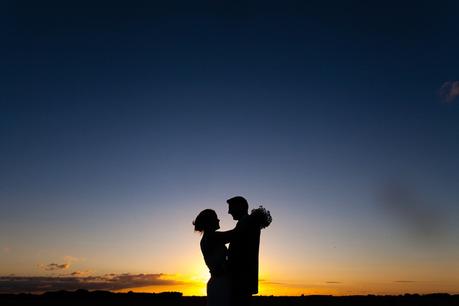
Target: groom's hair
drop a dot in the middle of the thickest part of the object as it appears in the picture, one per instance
(238, 201)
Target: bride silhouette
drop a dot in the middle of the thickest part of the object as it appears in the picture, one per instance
(215, 256)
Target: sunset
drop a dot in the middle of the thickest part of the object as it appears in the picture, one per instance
(121, 121)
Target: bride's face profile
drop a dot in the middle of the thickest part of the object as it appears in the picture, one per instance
(214, 223)
(217, 224)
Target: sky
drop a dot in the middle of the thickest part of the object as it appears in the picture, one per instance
(120, 121)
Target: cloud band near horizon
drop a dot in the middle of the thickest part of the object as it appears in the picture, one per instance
(39, 284)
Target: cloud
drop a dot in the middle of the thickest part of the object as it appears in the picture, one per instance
(333, 282)
(38, 284)
(69, 260)
(80, 273)
(266, 282)
(55, 267)
(404, 281)
(449, 91)
(283, 284)
(6, 249)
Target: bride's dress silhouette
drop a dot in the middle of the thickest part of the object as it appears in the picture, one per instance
(215, 256)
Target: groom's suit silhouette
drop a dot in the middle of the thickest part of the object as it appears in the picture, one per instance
(243, 253)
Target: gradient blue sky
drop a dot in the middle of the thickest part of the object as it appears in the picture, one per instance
(119, 123)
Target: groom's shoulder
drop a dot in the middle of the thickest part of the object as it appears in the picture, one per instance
(247, 222)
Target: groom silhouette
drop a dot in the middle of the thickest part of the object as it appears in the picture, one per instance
(243, 253)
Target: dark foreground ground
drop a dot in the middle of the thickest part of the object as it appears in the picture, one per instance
(104, 298)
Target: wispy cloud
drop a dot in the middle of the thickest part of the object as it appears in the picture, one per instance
(54, 266)
(333, 282)
(81, 273)
(449, 91)
(404, 281)
(283, 284)
(6, 249)
(69, 260)
(36, 284)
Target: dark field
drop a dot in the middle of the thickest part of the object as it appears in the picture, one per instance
(85, 298)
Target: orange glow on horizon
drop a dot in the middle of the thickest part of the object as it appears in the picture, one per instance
(198, 288)
(195, 285)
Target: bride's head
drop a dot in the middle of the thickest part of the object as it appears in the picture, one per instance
(206, 221)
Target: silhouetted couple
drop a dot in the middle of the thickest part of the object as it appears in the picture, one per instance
(233, 271)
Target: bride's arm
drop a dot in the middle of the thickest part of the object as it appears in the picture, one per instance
(225, 236)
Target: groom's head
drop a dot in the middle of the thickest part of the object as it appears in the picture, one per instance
(237, 207)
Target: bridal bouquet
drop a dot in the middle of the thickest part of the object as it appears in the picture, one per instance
(262, 216)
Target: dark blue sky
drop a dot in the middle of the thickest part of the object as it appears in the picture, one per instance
(312, 108)
(265, 77)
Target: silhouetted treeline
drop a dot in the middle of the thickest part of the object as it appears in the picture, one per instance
(105, 298)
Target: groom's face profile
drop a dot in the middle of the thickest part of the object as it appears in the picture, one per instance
(235, 211)
(237, 207)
